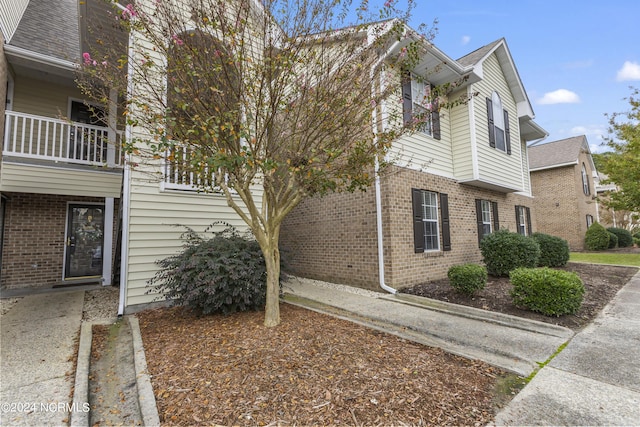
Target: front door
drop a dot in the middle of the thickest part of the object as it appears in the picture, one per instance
(84, 238)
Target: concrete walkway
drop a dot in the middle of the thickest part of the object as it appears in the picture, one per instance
(37, 344)
(509, 342)
(595, 380)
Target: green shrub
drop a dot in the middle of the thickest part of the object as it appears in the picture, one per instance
(636, 241)
(596, 238)
(554, 251)
(221, 274)
(550, 292)
(625, 239)
(467, 278)
(613, 240)
(504, 251)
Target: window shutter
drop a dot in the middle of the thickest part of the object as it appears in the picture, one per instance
(518, 219)
(479, 219)
(529, 230)
(407, 101)
(507, 135)
(492, 131)
(435, 124)
(444, 218)
(496, 220)
(418, 225)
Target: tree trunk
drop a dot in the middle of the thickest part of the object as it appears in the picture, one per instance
(272, 261)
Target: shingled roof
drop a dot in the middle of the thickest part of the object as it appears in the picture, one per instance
(475, 56)
(556, 153)
(50, 28)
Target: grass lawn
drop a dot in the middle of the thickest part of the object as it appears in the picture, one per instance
(606, 258)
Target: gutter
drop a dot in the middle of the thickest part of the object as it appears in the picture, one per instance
(22, 53)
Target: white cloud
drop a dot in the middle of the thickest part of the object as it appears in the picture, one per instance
(595, 136)
(560, 96)
(629, 71)
(465, 40)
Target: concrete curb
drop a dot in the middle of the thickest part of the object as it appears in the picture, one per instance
(146, 398)
(484, 315)
(81, 387)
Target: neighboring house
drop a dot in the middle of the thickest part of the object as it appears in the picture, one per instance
(462, 176)
(610, 217)
(562, 179)
(61, 168)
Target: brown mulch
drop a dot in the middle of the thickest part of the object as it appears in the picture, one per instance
(601, 283)
(312, 369)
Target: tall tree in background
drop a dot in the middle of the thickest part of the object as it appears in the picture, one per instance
(622, 164)
(278, 98)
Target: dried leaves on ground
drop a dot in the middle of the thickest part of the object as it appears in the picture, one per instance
(313, 369)
(601, 282)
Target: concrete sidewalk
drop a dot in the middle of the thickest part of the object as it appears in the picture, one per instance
(35, 388)
(595, 380)
(509, 342)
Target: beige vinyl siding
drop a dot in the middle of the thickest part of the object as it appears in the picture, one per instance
(43, 98)
(152, 232)
(25, 178)
(495, 165)
(525, 168)
(461, 140)
(12, 11)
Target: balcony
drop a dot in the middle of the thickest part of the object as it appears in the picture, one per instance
(42, 138)
(43, 155)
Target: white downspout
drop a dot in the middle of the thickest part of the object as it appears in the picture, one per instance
(124, 250)
(382, 283)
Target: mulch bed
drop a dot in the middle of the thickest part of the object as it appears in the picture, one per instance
(312, 369)
(601, 283)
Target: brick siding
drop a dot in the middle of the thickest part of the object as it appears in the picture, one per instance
(561, 206)
(334, 238)
(34, 232)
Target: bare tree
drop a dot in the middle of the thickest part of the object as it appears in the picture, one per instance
(281, 95)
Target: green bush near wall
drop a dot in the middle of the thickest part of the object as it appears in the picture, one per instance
(547, 291)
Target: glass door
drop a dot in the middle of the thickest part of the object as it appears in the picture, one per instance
(83, 240)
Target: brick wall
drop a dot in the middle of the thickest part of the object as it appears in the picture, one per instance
(560, 205)
(335, 238)
(33, 247)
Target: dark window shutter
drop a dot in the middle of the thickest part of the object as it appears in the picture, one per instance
(435, 120)
(407, 102)
(418, 225)
(529, 230)
(507, 134)
(444, 220)
(492, 131)
(479, 219)
(494, 212)
(518, 219)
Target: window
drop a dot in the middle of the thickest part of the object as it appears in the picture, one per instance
(487, 217)
(430, 221)
(589, 220)
(585, 181)
(418, 105)
(523, 220)
(498, 122)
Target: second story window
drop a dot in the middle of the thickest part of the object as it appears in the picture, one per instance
(498, 124)
(418, 105)
(585, 181)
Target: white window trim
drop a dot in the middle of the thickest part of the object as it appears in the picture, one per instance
(420, 94)
(436, 221)
(522, 221)
(498, 121)
(487, 204)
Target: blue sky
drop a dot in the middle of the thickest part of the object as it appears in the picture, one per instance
(576, 59)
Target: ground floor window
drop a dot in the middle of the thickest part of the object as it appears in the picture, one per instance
(589, 220)
(523, 220)
(487, 217)
(430, 221)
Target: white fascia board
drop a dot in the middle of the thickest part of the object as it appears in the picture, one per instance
(560, 165)
(22, 53)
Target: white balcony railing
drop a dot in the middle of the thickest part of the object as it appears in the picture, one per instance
(37, 137)
(179, 174)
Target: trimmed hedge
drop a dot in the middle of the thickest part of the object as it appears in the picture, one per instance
(467, 278)
(550, 292)
(596, 238)
(613, 240)
(625, 239)
(222, 274)
(504, 251)
(554, 251)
